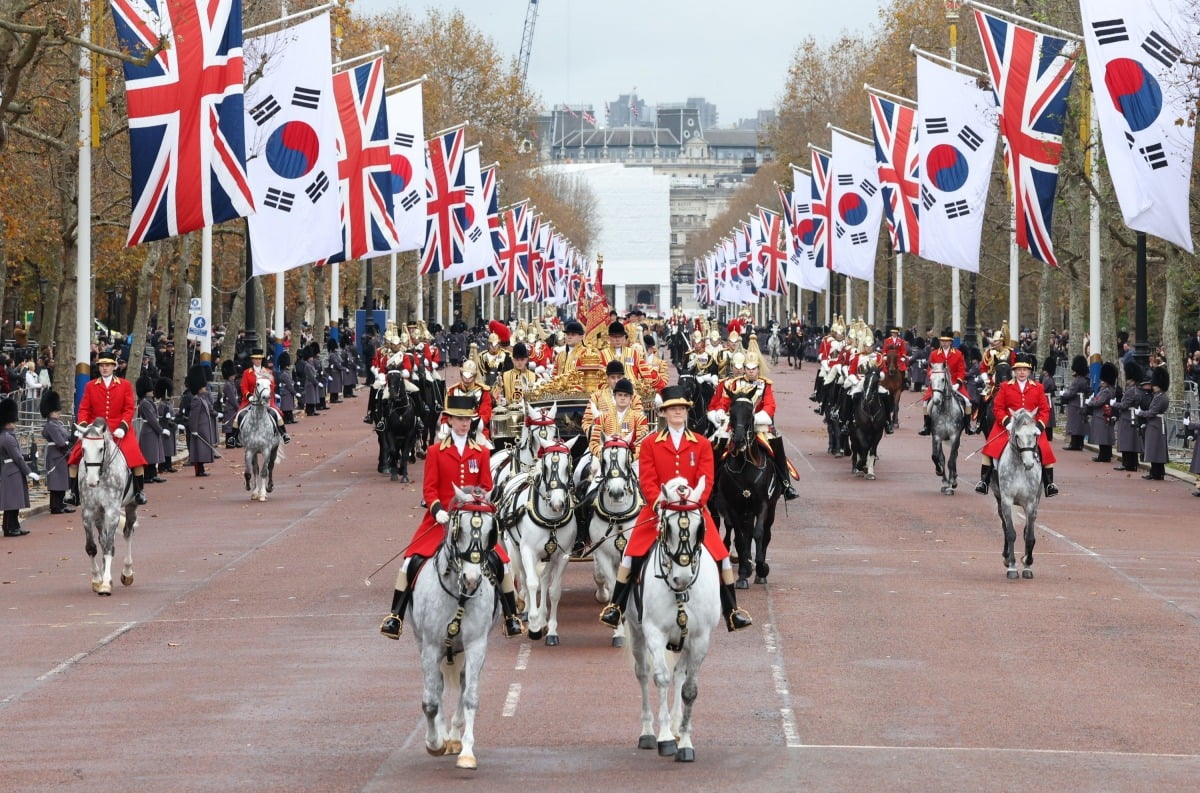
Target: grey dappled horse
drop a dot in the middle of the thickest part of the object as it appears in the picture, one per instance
(106, 503)
(260, 441)
(947, 418)
(676, 607)
(454, 605)
(616, 507)
(1017, 481)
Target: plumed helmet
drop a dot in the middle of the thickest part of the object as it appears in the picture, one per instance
(493, 340)
(51, 402)
(734, 337)
(469, 370)
(228, 369)
(163, 387)
(1079, 366)
(751, 360)
(285, 360)
(738, 361)
(623, 386)
(9, 411)
(616, 329)
(143, 386)
(197, 378)
(500, 331)
(614, 367)
(519, 350)
(1160, 378)
(1108, 373)
(1133, 372)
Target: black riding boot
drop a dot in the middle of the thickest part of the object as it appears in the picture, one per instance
(612, 613)
(393, 623)
(72, 496)
(928, 428)
(1105, 455)
(232, 441)
(781, 469)
(985, 478)
(1048, 482)
(508, 600)
(735, 618)
(1157, 471)
(283, 433)
(1128, 462)
(139, 482)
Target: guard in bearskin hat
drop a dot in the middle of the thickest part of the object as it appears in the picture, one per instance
(1153, 419)
(150, 434)
(1073, 397)
(163, 388)
(15, 473)
(202, 423)
(1099, 409)
(1129, 440)
(58, 443)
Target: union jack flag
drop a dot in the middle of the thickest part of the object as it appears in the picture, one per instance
(1031, 78)
(186, 136)
(771, 256)
(822, 177)
(364, 164)
(513, 251)
(446, 199)
(899, 161)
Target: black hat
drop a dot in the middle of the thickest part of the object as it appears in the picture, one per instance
(573, 326)
(285, 360)
(1133, 371)
(519, 350)
(1024, 360)
(331, 345)
(1108, 373)
(50, 403)
(1160, 378)
(674, 395)
(143, 386)
(1050, 365)
(163, 387)
(461, 405)
(623, 386)
(616, 329)
(1079, 366)
(256, 353)
(648, 341)
(614, 367)
(197, 378)
(8, 411)
(228, 369)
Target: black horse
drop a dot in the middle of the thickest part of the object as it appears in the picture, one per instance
(677, 344)
(431, 395)
(699, 394)
(395, 420)
(986, 417)
(870, 418)
(749, 491)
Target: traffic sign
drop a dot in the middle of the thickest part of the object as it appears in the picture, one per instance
(194, 306)
(198, 327)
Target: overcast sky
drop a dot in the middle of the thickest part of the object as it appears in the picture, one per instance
(733, 53)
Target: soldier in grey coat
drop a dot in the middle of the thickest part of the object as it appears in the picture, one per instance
(58, 443)
(334, 369)
(14, 471)
(230, 399)
(202, 435)
(150, 434)
(1100, 406)
(1129, 440)
(166, 420)
(1154, 419)
(285, 388)
(1193, 431)
(312, 392)
(1073, 397)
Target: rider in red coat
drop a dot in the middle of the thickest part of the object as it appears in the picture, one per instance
(895, 342)
(111, 398)
(1021, 393)
(456, 460)
(956, 366)
(255, 372)
(674, 452)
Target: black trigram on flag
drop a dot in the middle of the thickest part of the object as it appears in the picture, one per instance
(937, 126)
(306, 97)
(1154, 155)
(971, 138)
(469, 190)
(475, 234)
(1161, 50)
(1110, 31)
(279, 199)
(957, 209)
(927, 198)
(317, 188)
(803, 209)
(845, 179)
(264, 110)
(410, 200)
(868, 187)
(403, 140)
(839, 230)
(858, 238)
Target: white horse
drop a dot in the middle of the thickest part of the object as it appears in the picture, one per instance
(453, 607)
(948, 414)
(676, 613)
(540, 422)
(1017, 481)
(106, 503)
(615, 509)
(539, 516)
(260, 439)
(774, 346)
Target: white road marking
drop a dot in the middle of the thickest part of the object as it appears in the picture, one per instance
(779, 676)
(1001, 750)
(80, 656)
(510, 702)
(523, 657)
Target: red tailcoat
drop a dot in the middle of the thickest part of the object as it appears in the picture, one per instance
(445, 468)
(482, 397)
(956, 365)
(250, 382)
(1009, 399)
(658, 463)
(901, 347)
(117, 405)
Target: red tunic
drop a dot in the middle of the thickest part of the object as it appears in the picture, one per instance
(483, 398)
(956, 365)
(723, 401)
(117, 405)
(445, 468)
(659, 463)
(1009, 399)
(250, 382)
(901, 347)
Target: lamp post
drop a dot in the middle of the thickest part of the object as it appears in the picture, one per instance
(41, 321)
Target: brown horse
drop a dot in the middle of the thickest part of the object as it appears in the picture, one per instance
(893, 380)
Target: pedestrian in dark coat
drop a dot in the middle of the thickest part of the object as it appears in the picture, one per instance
(285, 387)
(1193, 431)
(202, 436)
(312, 391)
(1049, 386)
(1099, 406)
(15, 473)
(1154, 418)
(150, 435)
(58, 442)
(230, 399)
(1129, 440)
(334, 368)
(1074, 397)
(166, 420)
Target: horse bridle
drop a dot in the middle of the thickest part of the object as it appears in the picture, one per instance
(555, 483)
(474, 553)
(108, 456)
(616, 472)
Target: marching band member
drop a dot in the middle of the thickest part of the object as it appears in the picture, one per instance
(111, 398)
(513, 384)
(1013, 395)
(956, 370)
(456, 460)
(623, 420)
(673, 452)
(250, 378)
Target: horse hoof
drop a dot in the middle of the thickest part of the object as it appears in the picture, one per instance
(95, 586)
(453, 746)
(666, 748)
(105, 590)
(535, 635)
(1013, 575)
(395, 477)
(871, 477)
(263, 498)
(127, 580)
(552, 640)
(686, 754)
(619, 641)
(467, 761)
(760, 579)
(436, 752)
(647, 742)
(742, 584)
(1027, 573)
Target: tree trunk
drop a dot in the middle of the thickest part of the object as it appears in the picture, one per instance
(1172, 347)
(141, 309)
(1078, 312)
(1043, 315)
(320, 301)
(183, 294)
(303, 306)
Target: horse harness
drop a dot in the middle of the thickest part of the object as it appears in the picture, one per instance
(616, 518)
(531, 508)
(473, 554)
(109, 456)
(685, 554)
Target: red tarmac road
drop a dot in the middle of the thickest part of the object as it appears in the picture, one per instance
(889, 651)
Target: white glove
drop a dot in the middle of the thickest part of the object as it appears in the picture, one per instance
(1113, 402)
(442, 516)
(220, 416)
(33, 477)
(717, 416)
(375, 370)
(761, 417)
(118, 433)
(1187, 421)
(405, 374)
(77, 434)
(433, 365)
(1137, 412)
(167, 433)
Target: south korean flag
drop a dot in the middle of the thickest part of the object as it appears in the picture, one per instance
(957, 138)
(291, 147)
(857, 207)
(1141, 82)
(406, 123)
(803, 270)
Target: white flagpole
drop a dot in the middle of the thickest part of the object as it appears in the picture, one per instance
(420, 297)
(83, 239)
(392, 290)
(849, 297)
(1097, 337)
(438, 313)
(280, 286)
(206, 290)
(1014, 275)
(900, 291)
(871, 302)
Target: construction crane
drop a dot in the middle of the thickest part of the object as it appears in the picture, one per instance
(525, 145)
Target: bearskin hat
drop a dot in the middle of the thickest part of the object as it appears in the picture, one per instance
(143, 386)
(197, 378)
(1133, 372)
(163, 387)
(1079, 366)
(1160, 378)
(51, 403)
(1108, 373)
(228, 369)
(9, 412)
(331, 345)
(285, 360)
(1050, 365)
